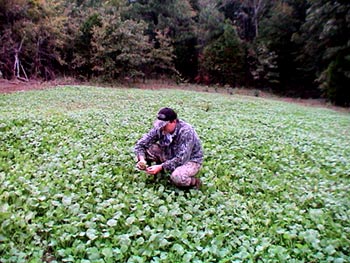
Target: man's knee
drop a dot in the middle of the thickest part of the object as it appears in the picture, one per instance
(179, 179)
(183, 175)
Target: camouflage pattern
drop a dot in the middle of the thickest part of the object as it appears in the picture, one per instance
(155, 154)
(183, 174)
(180, 153)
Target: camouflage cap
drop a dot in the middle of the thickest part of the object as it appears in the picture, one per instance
(164, 116)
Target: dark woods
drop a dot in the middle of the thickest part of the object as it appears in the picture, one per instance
(291, 47)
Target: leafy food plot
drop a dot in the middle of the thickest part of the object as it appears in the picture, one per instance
(276, 180)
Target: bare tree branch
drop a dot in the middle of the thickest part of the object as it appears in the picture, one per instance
(17, 65)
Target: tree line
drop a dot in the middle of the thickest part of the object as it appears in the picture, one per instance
(291, 47)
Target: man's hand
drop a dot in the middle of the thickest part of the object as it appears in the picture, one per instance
(154, 169)
(141, 165)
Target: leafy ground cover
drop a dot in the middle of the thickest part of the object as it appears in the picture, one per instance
(276, 180)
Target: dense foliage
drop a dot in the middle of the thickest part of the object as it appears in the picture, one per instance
(294, 47)
(276, 180)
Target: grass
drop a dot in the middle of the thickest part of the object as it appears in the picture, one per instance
(276, 180)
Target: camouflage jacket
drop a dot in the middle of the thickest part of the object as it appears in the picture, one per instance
(183, 146)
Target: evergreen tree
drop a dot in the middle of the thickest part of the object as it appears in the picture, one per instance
(246, 15)
(120, 49)
(210, 22)
(223, 60)
(83, 52)
(325, 56)
(176, 17)
(162, 56)
(276, 50)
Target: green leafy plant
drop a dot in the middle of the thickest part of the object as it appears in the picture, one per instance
(276, 180)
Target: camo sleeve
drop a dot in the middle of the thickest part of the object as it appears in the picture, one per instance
(145, 142)
(187, 148)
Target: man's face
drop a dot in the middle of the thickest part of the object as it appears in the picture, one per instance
(169, 128)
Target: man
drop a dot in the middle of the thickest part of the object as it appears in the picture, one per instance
(174, 146)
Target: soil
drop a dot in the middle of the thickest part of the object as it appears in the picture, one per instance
(7, 86)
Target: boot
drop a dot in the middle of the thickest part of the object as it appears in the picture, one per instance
(196, 183)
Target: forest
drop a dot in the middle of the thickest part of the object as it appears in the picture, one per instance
(297, 48)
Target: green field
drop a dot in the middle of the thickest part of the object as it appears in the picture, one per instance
(276, 180)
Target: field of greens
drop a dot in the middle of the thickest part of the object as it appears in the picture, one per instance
(276, 180)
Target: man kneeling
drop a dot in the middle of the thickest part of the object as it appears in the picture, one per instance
(174, 146)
